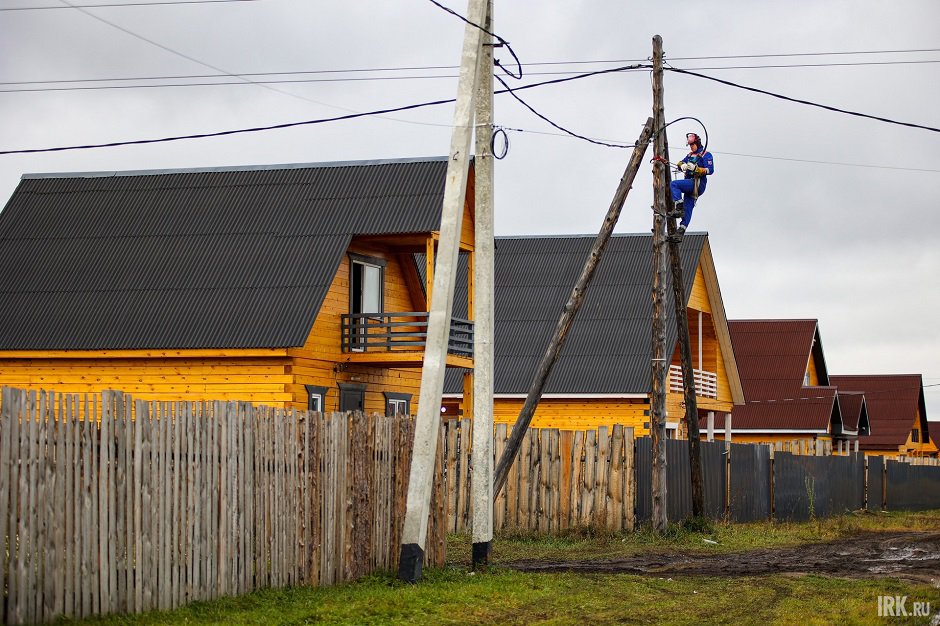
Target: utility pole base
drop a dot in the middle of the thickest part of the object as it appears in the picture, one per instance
(481, 553)
(410, 563)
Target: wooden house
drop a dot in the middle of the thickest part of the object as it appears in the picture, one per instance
(603, 375)
(291, 286)
(897, 411)
(790, 395)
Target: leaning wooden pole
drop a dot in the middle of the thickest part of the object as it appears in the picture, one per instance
(658, 363)
(571, 309)
(688, 374)
(427, 424)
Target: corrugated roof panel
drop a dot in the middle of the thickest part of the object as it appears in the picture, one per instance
(893, 402)
(608, 347)
(236, 259)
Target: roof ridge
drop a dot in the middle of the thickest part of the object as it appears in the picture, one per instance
(231, 168)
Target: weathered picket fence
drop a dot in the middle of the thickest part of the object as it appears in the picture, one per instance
(110, 505)
(560, 479)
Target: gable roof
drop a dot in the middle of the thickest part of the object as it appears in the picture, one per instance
(218, 258)
(772, 357)
(934, 430)
(893, 401)
(608, 348)
(854, 412)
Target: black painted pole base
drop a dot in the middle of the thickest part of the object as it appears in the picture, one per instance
(481, 553)
(410, 563)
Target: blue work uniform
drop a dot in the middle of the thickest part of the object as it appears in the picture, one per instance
(693, 185)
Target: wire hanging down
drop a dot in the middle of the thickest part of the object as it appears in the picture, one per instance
(502, 42)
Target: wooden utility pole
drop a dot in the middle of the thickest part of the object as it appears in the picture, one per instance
(658, 364)
(427, 424)
(481, 481)
(571, 309)
(685, 348)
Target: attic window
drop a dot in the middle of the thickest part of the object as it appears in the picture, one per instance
(915, 436)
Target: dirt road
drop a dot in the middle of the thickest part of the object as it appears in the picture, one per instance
(908, 555)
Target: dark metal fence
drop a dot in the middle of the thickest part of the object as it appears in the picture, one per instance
(914, 487)
(750, 486)
(875, 483)
(750, 482)
(817, 486)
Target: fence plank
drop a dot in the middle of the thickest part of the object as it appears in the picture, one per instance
(614, 486)
(499, 507)
(601, 477)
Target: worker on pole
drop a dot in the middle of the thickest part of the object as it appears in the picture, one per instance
(696, 167)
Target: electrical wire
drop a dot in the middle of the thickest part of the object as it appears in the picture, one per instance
(124, 4)
(73, 87)
(806, 102)
(291, 124)
(502, 42)
(553, 124)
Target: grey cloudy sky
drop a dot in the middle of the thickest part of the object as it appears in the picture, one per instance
(811, 214)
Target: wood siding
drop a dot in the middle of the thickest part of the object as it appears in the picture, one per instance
(321, 361)
(233, 377)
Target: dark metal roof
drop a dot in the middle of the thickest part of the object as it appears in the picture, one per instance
(895, 403)
(223, 258)
(608, 349)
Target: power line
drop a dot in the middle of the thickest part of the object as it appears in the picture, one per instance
(502, 42)
(72, 87)
(806, 102)
(124, 4)
(561, 128)
(354, 115)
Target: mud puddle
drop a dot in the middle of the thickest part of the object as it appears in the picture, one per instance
(909, 555)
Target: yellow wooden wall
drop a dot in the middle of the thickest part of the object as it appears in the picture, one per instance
(577, 413)
(192, 377)
(320, 361)
(812, 371)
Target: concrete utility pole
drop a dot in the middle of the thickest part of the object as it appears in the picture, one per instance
(571, 309)
(685, 346)
(658, 365)
(427, 425)
(481, 483)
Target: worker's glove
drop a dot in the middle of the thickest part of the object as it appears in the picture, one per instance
(686, 167)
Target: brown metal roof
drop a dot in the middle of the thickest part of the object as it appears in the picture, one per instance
(772, 356)
(893, 402)
(854, 411)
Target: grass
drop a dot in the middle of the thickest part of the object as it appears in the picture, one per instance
(454, 595)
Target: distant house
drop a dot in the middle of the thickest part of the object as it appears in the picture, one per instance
(934, 430)
(291, 286)
(789, 392)
(603, 373)
(897, 412)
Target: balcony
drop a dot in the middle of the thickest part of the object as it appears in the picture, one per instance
(399, 339)
(706, 383)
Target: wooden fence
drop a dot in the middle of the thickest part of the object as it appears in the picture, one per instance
(154, 505)
(560, 479)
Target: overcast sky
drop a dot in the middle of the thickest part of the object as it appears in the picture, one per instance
(811, 213)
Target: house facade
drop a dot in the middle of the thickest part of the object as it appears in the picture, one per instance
(790, 395)
(898, 414)
(602, 376)
(290, 286)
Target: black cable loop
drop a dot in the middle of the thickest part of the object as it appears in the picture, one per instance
(498, 131)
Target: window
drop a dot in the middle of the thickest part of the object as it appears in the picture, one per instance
(352, 397)
(315, 396)
(366, 278)
(915, 436)
(397, 403)
(365, 284)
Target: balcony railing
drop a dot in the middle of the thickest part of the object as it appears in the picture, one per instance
(706, 383)
(401, 332)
